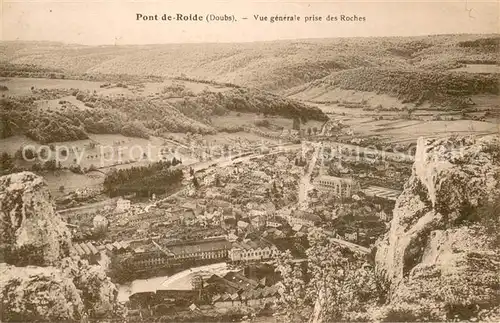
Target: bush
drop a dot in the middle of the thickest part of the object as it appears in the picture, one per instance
(76, 169)
(262, 123)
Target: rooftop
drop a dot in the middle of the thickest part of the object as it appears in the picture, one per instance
(201, 246)
(333, 179)
(250, 245)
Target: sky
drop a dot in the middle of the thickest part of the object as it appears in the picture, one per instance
(113, 22)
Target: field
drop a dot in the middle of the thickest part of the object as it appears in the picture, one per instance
(100, 152)
(71, 182)
(387, 117)
(22, 86)
(400, 130)
(19, 86)
(479, 68)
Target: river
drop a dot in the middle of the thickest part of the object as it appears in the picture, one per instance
(179, 281)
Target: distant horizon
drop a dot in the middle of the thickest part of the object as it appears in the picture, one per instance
(243, 41)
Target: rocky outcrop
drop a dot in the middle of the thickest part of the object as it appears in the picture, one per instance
(31, 233)
(98, 293)
(39, 279)
(38, 293)
(438, 259)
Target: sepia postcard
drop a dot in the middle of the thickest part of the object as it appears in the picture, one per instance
(277, 161)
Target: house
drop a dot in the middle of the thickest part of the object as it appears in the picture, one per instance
(257, 221)
(353, 236)
(383, 216)
(242, 225)
(100, 222)
(122, 205)
(259, 296)
(273, 223)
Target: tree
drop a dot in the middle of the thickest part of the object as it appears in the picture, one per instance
(195, 182)
(36, 167)
(293, 299)
(121, 269)
(6, 162)
(76, 169)
(339, 285)
(50, 165)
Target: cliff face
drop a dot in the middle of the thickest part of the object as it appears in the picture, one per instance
(438, 257)
(39, 279)
(38, 293)
(30, 231)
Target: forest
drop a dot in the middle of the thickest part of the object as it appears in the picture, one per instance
(137, 116)
(209, 103)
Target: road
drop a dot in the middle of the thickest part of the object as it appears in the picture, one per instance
(350, 245)
(305, 181)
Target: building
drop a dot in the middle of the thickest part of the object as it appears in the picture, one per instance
(210, 249)
(303, 218)
(163, 256)
(86, 212)
(100, 223)
(238, 288)
(257, 297)
(273, 223)
(383, 216)
(252, 250)
(340, 186)
(382, 192)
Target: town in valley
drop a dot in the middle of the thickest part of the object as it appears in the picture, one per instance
(315, 183)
